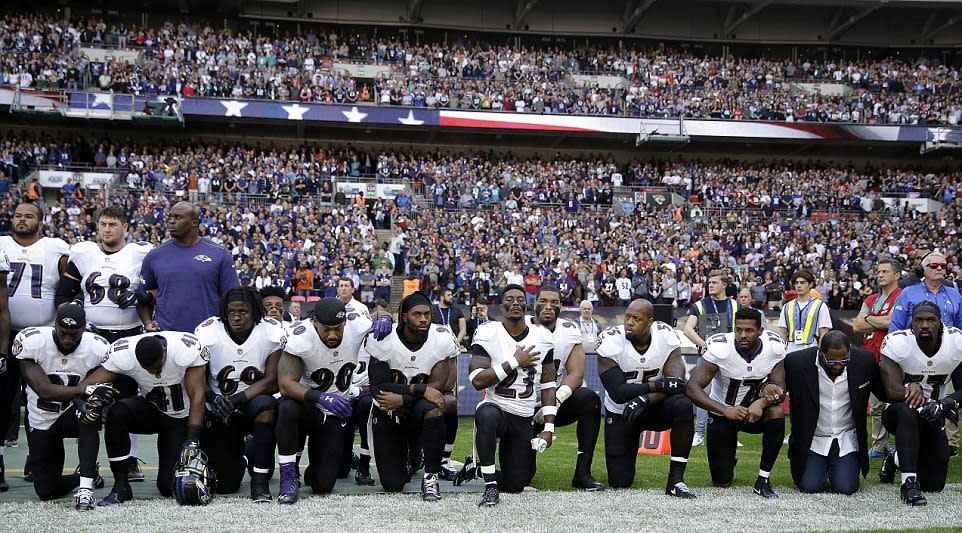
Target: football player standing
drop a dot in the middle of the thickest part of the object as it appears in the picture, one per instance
(36, 264)
(105, 278)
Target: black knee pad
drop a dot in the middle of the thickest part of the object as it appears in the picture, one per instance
(682, 408)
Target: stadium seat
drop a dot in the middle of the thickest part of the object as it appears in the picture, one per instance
(313, 298)
(298, 299)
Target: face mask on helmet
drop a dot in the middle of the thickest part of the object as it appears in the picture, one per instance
(194, 482)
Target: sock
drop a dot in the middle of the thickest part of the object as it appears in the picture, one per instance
(118, 466)
(676, 470)
(284, 459)
(432, 435)
(87, 483)
(446, 454)
(764, 474)
(772, 437)
(263, 444)
(489, 474)
(451, 433)
(907, 475)
(133, 444)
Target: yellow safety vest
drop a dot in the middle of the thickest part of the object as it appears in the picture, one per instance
(808, 332)
(701, 309)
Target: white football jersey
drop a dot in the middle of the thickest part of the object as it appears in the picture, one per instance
(37, 345)
(104, 276)
(739, 382)
(360, 378)
(32, 281)
(637, 367)
(167, 391)
(327, 369)
(566, 336)
(516, 393)
(414, 366)
(932, 373)
(235, 367)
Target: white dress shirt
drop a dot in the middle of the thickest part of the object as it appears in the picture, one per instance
(835, 420)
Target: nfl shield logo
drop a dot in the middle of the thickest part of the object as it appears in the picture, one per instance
(335, 353)
(642, 360)
(749, 369)
(928, 363)
(413, 357)
(240, 351)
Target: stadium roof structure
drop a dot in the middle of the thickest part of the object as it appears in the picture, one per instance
(875, 23)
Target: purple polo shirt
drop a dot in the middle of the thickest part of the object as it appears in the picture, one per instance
(189, 282)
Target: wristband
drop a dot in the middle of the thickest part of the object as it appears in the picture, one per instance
(474, 373)
(549, 410)
(499, 371)
(513, 362)
(563, 393)
(312, 396)
(419, 389)
(549, 426)
(549, 385)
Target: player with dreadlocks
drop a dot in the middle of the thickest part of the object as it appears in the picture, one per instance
(408, 370)
(245, 346)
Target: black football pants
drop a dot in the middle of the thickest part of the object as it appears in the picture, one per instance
(391, 440)
(922, 446)
(325, 440)
(621, 438)
(137, 415)
(490, 424)
(47, 455)
(225, 446)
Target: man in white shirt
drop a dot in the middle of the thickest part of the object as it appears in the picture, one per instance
(829, 387)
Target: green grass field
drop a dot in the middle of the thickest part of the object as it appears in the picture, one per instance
(551, 506)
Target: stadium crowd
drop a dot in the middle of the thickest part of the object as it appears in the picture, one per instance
(279, 228)
(196, 60)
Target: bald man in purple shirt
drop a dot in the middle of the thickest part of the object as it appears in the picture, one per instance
(187, 274)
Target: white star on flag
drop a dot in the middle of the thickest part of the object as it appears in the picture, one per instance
(101, 98)
(354, 115)
(295, 112)
(233, 107)
(410, 120)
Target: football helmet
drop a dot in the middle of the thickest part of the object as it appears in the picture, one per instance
(194, 481)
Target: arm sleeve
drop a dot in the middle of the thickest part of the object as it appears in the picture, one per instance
(621, 392)
(67, 288)
(379, 375)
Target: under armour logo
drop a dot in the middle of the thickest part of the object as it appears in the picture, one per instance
(203, 258)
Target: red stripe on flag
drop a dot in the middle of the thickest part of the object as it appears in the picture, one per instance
(505, 125)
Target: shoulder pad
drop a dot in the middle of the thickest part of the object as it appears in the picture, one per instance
(774, 337)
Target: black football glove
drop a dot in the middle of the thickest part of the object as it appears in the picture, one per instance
(136, 296)
(90, 410)
(667, 385)
(220, 407)
(945, 409)
(634, 408)
(105, 392)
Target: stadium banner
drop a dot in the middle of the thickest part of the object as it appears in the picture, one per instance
(370, 190)
(512, 121)
(31, 98)
(55, 179)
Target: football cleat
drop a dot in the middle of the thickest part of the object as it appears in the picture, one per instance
(491, 495)
(587, 483)
(289, 484)
(362, 475)
(260, 488)
(763, 487)
(680, 490)
(886, 474)
(116, 496)
(697, 440)
(84, 499)
(12, 443)
(430, 491)
(467, 472)
(912, 493)
(134, 473)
